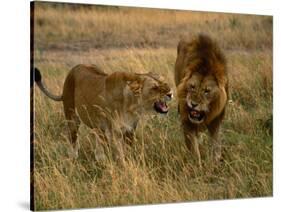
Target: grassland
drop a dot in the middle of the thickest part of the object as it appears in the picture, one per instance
(158, 167)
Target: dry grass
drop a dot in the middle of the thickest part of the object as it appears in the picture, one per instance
(158, 167)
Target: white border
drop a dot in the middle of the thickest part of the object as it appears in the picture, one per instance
(261, 7)
(14, 140)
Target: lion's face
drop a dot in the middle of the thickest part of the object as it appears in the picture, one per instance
(201, 92)
(155, 93)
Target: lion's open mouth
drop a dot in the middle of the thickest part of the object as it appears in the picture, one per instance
(161, 107)
(196, 116)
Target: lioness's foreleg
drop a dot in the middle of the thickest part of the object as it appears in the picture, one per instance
(129, 137)
(118, 151)
(100, 144)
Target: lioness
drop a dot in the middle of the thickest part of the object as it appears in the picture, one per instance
(202, 90)
(112, 104)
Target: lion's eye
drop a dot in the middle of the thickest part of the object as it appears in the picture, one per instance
(192, 87)
(206, 91)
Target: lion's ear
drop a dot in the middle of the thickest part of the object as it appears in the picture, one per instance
(182, 47)
(222, 82)
(221, 79)
(135, 86)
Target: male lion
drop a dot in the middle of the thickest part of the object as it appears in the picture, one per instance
(202, 90)
(109, 103)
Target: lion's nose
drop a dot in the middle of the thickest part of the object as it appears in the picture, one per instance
(194, 104)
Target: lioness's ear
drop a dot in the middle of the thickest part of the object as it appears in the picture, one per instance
(156, 76)
(135, 86)
(186, 76)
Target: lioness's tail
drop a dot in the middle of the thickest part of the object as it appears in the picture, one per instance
(38, 80)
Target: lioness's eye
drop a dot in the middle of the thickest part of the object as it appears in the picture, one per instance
(206, 91)
(192, 87)
(155, 87)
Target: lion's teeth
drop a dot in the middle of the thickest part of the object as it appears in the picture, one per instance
(195, 114)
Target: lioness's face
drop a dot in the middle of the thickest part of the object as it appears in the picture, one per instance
(201, 91)
(155, 94)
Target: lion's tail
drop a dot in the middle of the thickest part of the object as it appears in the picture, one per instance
(38, 80)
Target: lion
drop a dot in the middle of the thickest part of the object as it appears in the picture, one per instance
(202, 91)
(112, 104)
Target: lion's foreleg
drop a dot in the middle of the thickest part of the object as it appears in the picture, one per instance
(216, 146)
(192, 144)
(215, 140)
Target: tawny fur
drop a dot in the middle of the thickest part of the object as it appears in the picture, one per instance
(110, 104)
(201, 62)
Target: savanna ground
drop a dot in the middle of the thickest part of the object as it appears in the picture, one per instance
(159, 168)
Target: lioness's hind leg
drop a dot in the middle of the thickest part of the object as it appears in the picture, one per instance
(73, 127)
(72, 119)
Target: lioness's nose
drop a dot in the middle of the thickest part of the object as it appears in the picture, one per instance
(169, 96)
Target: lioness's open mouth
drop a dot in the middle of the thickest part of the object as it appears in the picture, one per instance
(196, 116)
(161, 107)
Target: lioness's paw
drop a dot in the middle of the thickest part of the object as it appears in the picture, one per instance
(73, 151)
(100, 156)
